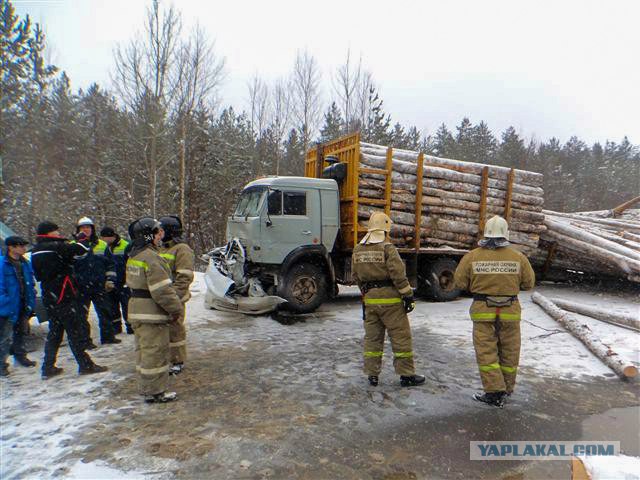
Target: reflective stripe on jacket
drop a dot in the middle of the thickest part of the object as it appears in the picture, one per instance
(147, 271)
(180, 258)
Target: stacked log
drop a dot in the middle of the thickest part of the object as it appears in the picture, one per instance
(594, 243)
(453, 195)
(625, 369)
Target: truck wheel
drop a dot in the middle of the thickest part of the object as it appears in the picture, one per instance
(304, 288)
(436, 280)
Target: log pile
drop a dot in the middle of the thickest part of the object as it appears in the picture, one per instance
(456, 198)
(596, 243)
(625, 369)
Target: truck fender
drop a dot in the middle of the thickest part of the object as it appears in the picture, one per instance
(307, 252)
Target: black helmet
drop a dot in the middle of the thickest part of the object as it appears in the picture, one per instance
(144, 229)
(172, 227)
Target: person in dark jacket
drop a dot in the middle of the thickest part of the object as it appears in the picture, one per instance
(52, 260)
(17, 301)
(96, 277)
(119, 295)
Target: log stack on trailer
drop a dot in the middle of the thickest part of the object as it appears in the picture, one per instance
(605, 242)
(451, 199)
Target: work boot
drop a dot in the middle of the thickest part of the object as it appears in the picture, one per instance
(129, 330)
(24, 361)
(495, 399)
(176, 369)
(411, 380)
(91, 346)
(164, 397)
(4, 370)
(93, 368)
(111, 341)
(373, 380)
(49, 372)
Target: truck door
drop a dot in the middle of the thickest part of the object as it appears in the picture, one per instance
(292, 219)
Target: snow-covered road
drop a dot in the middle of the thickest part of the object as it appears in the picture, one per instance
(261, 399)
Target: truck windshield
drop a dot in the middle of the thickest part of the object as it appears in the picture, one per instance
(250, 201)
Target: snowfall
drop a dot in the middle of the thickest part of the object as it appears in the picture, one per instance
(266, 398)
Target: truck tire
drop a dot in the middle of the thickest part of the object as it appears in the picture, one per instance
(436, 280)
(304, 287)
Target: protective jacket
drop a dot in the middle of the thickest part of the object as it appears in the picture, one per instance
(96, 268)
(119, 254)
(153, 298)
(14, 298)
(380, 263)
(500, 273)
(180, 258)
(52, 260)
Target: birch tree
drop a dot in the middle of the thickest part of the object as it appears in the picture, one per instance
(146, 81)
(199, 75)
(307, 102)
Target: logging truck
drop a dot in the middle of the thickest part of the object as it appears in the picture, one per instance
(292, 237)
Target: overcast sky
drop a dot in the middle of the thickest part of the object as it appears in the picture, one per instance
(549, 68)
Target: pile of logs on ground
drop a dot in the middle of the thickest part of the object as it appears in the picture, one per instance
(606, 353)
(454, 198)
(598, 243)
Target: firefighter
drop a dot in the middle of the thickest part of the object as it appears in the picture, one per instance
(96, 277)
(154, 305)
(180, 259)
(494, 274)
(387, 298)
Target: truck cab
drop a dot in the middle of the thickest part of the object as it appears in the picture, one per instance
(288, 227)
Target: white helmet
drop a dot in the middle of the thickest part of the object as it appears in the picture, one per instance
(379, 226)
(85, 221)
(496, 227)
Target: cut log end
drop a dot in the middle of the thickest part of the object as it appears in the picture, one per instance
(630, 371)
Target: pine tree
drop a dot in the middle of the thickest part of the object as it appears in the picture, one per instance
(293, 161)
(398, 136)
(413, 139)
(512, 152)
(464, 146)
(378, 123)
(333, 124)
(485, 144)
(443, 144)
(15, 35)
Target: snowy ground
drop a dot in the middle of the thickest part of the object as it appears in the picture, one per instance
(261, 399)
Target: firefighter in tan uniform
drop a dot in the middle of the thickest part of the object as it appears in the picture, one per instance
(180, 258)
(153, 306)
(494, 274)
(387, 298)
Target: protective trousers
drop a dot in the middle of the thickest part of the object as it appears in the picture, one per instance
(64, 317)
(391, 318)
(178, 339)
(152, 356)
(497, 345)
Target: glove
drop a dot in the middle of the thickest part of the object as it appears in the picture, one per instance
(81, 237)
(409, 303)
(109, 286)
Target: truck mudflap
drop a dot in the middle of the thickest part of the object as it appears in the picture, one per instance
(229, 289)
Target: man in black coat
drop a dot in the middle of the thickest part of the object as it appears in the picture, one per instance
(52, 259)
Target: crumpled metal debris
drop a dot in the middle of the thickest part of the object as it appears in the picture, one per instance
(229, 289)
